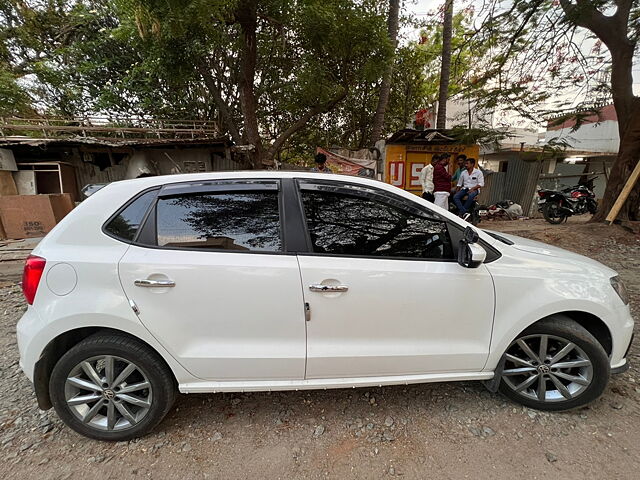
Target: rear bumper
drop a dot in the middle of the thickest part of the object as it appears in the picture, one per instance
(28, 325)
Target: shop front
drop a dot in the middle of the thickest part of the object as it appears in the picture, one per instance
(407, 152)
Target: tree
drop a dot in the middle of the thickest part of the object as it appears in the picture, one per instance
(544, 48)
(385, 87)
(278, 64)
(264, 71)
(447, 27)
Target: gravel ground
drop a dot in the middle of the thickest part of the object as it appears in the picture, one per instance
(450, 430)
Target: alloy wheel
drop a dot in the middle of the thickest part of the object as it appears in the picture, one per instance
(547, 368)
(108, 393)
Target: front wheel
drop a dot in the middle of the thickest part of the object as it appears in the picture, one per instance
(111, 387)
(555, 364)
(551, 213)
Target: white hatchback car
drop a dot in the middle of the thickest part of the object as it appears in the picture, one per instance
(252, 281)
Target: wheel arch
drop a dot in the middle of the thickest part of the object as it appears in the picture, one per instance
(58, 346)
(595, 326)
(590, 322)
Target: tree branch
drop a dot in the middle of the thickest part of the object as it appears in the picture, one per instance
(302, 121)
(608, 29)
(221, 104)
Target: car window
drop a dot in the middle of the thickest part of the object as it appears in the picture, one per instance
(350, 224)
(240, 221)
(125, 225)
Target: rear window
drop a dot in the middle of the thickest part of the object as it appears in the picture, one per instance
(125, 225)
(240, 221)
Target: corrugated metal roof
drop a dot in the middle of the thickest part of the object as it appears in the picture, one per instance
(113, 142)
(429, 136)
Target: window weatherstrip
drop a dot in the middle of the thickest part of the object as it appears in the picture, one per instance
(172, 190)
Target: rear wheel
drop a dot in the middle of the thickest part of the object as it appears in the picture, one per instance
(111, 387)
(555, 364)
(551, 213)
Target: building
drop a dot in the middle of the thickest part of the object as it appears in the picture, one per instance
(408, 151)
(63, 156)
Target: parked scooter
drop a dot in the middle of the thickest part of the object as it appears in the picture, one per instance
(557, 206)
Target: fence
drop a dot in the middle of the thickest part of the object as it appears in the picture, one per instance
(518, 184)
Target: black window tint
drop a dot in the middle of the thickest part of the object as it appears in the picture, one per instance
(244, 221)
(354, 225)
(125, 225)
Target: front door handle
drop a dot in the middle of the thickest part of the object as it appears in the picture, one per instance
(155, 283)
(328, 288)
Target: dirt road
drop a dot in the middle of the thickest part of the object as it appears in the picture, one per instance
(453, 430)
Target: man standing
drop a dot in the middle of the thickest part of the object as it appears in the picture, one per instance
(321, 164)
(469, 183)
(442, 182)
(426, 179)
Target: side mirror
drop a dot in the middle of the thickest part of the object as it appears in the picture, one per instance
(470, 254)
(470, 235)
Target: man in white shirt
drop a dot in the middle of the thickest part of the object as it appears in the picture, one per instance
(426, 179)
(469, 183)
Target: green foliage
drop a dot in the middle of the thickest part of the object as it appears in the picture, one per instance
(13, 98)
(465, 56)
(148, 58)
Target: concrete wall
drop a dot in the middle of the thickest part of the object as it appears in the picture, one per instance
(152, 161)
(593, 137)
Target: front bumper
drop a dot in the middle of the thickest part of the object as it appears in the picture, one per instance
(620, 369)
(623, 367)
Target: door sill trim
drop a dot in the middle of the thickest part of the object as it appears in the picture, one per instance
(324, 383)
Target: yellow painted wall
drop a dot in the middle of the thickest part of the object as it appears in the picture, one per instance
(403, 163)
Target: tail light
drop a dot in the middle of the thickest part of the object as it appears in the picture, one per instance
(33, 268)
(541, 194)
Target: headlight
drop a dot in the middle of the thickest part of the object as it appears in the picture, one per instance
(620, 289)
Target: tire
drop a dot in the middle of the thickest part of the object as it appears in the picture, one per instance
(475, 216)
(141, 393)
(549, 212)
(584, 383)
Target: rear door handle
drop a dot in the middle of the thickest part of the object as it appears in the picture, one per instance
(154, 283)
(328, 288)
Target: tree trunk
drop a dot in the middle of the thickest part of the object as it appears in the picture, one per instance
(247, 17)
(627, 107)
(613, 30)
(385, 87)
(628, 156)
(445, 69)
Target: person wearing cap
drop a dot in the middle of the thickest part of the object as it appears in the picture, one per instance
(321, 164)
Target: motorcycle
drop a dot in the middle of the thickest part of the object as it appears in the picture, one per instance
(557, 206)
(476, 212)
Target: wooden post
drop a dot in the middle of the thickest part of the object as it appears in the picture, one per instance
(633, 178)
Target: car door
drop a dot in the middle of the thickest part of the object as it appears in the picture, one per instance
(211, 280)
(385, 293)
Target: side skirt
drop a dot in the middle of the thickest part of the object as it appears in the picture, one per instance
(324, 383)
